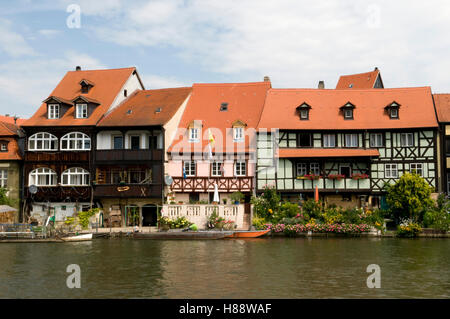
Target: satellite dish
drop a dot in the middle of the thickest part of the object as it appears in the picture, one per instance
(168, 180)
(33, 189)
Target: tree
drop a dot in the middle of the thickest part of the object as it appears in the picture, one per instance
(4, 200)
(409, 197)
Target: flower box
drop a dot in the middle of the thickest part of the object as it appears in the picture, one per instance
(336, 176)
(311, 176)
(359, 176)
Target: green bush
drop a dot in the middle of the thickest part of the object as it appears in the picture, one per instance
(438, 217)
(259, 223)
(312, 208)
(83, 217)
(408, 229)
(267, 205)
(287, 210)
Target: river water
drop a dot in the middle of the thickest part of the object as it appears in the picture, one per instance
(254, 268)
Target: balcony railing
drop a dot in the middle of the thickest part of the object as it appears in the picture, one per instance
(228, 184)
(128, 190)
(57, 156)
(60, 193)
(128, 155)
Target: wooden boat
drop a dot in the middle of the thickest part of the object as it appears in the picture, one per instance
(248, 233)
(84, 237)
(184, 235)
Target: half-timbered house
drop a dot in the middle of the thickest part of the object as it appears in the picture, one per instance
(347, 143)
(131, 145)
(442, 104)
(215, 150)
(61, 136)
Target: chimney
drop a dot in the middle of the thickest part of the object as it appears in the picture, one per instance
(266, 79)
(321, 85)
(78, 68)
(15, 119)
(376, 68)
(7, 115)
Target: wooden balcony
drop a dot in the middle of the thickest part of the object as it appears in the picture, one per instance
(57, 156)
(205, 184)
(128, 155)
(60, 193)
(128, 190)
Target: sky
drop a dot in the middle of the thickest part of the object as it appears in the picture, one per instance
(180, 42)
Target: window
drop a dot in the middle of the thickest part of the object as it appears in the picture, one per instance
(118, 142)
(135, 142)
(189, 168)
(329, 140)
(239, 168)
(407, 139)
(376, 139)
(136, 176)
(351, 140)
(75, 176)
(348, 113)
(447, 146)
(193, 134)
(417, 168)
(4, 147)
(390, 171)
(152, 142)
(75, 141)
(238, 134)
(448, 183)
(345, 170)
(3, 178)
(216, 169)
(81, 111)
(314, 168)
(301, 169)
(224, 107)
(42, 177)
(394, 113)
(42, 142)
(53, 111)
(304, 114)
(304, 140)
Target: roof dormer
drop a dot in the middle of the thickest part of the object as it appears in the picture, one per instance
(303, 111)
(392, 110)
(86, 85)
(56, 107)
(347, 110)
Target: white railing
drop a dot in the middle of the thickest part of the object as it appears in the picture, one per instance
(199, 214)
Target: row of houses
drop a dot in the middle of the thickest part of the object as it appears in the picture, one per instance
(100, 139)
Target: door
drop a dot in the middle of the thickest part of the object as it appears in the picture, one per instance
(135, 142)
(149, 215)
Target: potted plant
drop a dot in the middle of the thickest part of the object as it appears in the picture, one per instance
(336, 176)
(312, 176)
(236, 197)
(224, 201)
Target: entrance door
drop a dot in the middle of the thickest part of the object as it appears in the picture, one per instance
(149, 215)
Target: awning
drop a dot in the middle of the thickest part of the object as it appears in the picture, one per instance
(327, 152)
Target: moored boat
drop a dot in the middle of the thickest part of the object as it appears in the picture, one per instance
(84, 237)
(248, 233)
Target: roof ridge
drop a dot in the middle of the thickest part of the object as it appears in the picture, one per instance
(233, 83)
(353, 90)
(355, 74)
(97, 70)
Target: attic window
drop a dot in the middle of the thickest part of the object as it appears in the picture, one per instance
(86, 85)
(3, 146)
(392, 110)
(224, 107)
(303, 111)
(125, 93)
(129, 112)
(347, 110)
(53, 111)
(158, 110)
(84, 88)
(350, 85)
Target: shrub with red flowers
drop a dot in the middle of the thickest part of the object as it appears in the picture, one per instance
(336, 176)
(292, 230)
(311, 176)
(359, 176)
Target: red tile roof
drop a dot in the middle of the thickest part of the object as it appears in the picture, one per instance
(442, 103)
(108, 84)
(416, 109)
(326, 152)
(9, 133)
(10, 119)
(245, 102)
(141, 108)
(358, 81)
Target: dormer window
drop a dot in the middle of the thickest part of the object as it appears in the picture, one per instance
(303, 111)
(238, 134)
(81, 111)
(347, 110)
(392, 110)
(3, 146)
(224, 107)
(53, 111)
(86, 85)
(193, 134)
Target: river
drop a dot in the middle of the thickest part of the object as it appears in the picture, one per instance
(254, 268)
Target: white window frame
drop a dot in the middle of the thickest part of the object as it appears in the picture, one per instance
(392, 114)
(45, 139)
(304, 114)
(238, 134)
(75, 141)
(76, 176)
(3, 178)
(351, 135)
(193, 134)
(4, 147)
(378, 140)
(418, 167)
(36, 176)
(81, 111)
(405, 141)
(189, 168)
(348, 113)
(391, 170)
(216, 169)
(301, 169)
(314, 168)
(327, 138)
(53, 111)
(240, 168)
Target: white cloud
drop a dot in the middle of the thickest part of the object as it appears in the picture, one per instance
(296, 42)
(161, 82)
(13, 43)
(49, 33)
